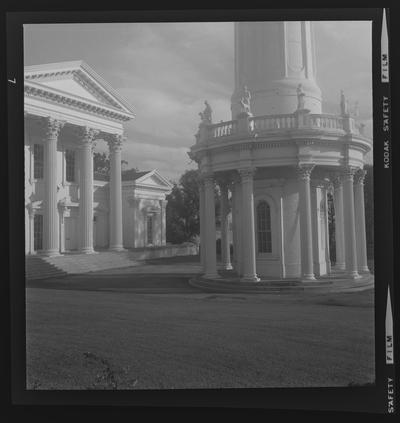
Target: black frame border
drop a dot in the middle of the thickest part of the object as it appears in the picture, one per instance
(365, 399)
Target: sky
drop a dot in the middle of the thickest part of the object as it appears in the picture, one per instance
(167, 70)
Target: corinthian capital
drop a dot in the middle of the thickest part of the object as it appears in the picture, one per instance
(115, 141)
(304, 171)
(247, 173)
(348, 173)
(359, 176)
(336, 182)
(207, 179)
(52, 127)
(86, 134)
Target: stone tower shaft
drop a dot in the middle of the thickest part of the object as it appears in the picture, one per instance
(272, 59)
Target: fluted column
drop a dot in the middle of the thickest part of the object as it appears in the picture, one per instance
(202, 224)
(327, 188)
(361, 238)
(307, 265)
(349, 222)
(225, 244)
(31, 248)
(62, 209)
(87, 136)
(210, 232)
(236, 223)
(248, 227)
(163, 204)
(339, 226)
(115, 146)
(50, 221)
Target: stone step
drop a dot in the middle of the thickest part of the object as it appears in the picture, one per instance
(39, 268)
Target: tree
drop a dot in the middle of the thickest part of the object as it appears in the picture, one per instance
(101, 163)
(183, 219)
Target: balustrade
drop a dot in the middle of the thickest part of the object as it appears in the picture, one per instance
(281, 122)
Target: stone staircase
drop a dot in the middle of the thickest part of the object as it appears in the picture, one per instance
(84, 263)
(39, 268)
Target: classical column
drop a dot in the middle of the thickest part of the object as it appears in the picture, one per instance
(163, 204)
(326, 190)
(307, 268)
(248, 227)
(31, 239)
(359, 206)
(115, 146)
(225, 244)
(210, 231)
(236, 225)
(202, 224)
(349, 222)
(62, 209)
(50, 223)
(339, 227)
(86, 189)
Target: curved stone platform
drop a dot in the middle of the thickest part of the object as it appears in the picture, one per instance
(331, 283)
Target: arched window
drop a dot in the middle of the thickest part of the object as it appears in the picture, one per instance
(264, 238)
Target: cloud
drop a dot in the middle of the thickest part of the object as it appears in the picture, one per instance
(167, 70)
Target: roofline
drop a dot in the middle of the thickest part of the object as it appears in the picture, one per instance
(77, 65)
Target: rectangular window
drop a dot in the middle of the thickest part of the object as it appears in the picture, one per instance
(150, 229)
(264, 228)
(70, 165)
(38, 232)
(38, 161)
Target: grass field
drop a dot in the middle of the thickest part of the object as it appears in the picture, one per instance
(141, 331)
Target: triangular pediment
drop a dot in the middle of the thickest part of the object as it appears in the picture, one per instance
(77, 79)
(153, 179)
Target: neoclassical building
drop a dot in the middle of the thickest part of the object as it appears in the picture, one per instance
(144, 209)
(68, 107)
(276, 161)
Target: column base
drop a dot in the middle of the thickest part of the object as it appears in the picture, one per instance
(364, 270)
(353, 275)
(87, 251)
(49, 253)
(117, 248)
(340, 266)
(211, 276)
(250, 278)
(227, 266)
(308, 277)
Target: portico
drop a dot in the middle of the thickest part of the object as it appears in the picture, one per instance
(68, 107)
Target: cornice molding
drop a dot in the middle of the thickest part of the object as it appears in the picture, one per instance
(51, 95)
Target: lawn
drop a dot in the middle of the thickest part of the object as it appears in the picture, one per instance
(156, 331)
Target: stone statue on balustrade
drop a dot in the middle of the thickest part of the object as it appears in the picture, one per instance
(245, 102)
(206, 115)
(344, 106)
(300, 97)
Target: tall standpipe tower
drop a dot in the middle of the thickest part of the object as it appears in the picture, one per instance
(272, 60)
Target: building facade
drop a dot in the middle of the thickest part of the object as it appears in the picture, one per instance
(68, 107)
(144, 209)
(276, 161)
